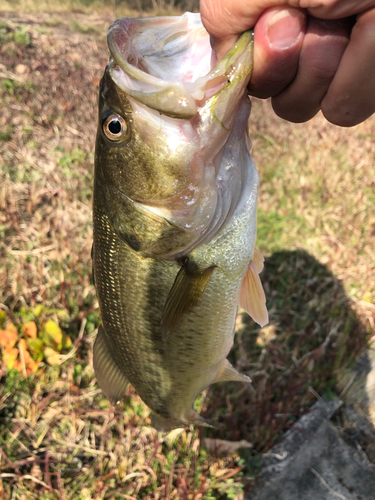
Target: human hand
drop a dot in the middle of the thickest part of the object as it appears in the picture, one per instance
(308, 55)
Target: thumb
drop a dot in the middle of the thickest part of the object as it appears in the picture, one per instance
(278, 38)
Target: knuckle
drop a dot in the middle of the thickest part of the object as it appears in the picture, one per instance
(322, 69)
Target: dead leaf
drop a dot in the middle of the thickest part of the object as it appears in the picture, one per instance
(173, 435)
(10, 357)
(9, 336)
(223, 447)
(30, 365)
(52, 357)
(30, 330)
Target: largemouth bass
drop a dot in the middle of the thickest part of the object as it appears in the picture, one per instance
(175, 199)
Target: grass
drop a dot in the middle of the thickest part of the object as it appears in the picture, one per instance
(82, 29)
(59, 436)
(116, 8)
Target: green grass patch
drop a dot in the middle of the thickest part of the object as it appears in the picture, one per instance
(6, 135)
(76, 26)
(22, 37)
(17, 89)
(277, 230)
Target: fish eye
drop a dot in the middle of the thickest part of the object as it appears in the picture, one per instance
(114, 127)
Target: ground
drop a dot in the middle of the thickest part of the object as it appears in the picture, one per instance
(60, 438)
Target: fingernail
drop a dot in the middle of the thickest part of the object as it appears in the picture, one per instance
(285, 28)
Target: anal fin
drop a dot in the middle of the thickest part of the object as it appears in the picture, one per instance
(186, 292)
(227, 373)
(110, 378)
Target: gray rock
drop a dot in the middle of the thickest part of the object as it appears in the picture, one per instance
(314, 463)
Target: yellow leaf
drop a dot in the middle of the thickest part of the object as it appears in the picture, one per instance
(10, 357)
(38, 310)
(36, 346)
(51, 334)
(3, 316)
(66, 342)
(30, 330)
(8, 337)
(52, 357)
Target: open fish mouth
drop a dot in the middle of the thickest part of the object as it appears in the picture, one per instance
(165, 63)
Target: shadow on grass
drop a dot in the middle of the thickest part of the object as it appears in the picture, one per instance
(313, 337)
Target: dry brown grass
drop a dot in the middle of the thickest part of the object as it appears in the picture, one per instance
(60, 438)
(113, 8)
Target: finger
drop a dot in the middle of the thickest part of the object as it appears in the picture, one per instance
(351, 97)
(277, 43)
(323, 47)
(225, 20)
(336, 9)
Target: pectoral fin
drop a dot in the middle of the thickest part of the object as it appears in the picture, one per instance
(186, 292)
(111, 380)
(252, 297)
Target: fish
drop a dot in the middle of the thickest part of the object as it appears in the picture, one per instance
(174, 215)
